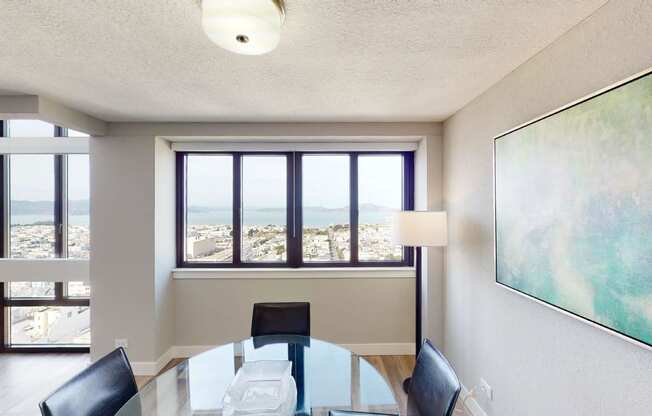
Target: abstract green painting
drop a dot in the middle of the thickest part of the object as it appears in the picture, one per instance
(573, 209)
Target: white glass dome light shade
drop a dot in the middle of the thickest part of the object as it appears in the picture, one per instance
(249, 27)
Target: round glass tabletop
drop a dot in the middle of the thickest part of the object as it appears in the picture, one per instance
(327, 377)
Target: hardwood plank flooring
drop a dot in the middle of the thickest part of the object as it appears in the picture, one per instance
(25, 379)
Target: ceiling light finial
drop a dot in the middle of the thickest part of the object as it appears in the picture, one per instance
(248, 27)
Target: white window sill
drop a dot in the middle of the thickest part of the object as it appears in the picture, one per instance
(301, 273)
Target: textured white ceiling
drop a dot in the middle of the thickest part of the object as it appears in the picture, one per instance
(339, 60)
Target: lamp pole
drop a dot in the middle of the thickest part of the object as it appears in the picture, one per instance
(417, 304)
(417, 301)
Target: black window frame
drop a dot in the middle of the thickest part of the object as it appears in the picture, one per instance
(60, 251)
(294, 211)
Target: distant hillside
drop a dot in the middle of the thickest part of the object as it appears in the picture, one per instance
(81, 207)
(75, 207)
(364, 207)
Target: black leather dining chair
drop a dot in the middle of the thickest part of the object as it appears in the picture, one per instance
(434, 387)
(100, 390)
(281, 318)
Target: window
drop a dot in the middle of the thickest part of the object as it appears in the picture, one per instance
(326, 215)
(32, 206)
(380, 194)
(264, 209)
(30, 128)
(47, 213)
(78, 198)
(209, 236)
(78, 290)
(46, 314)
(43, 290)
(49, 325)
(291, 209)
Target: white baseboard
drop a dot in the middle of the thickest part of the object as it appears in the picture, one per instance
(150, 368)
(470, 405)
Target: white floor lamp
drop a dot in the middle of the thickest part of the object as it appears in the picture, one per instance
(419, 229)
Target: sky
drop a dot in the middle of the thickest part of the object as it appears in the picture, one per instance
(32, 176)
(325, 181)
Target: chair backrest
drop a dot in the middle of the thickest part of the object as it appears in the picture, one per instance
(281, 318)
(101, 389)
(434, 387)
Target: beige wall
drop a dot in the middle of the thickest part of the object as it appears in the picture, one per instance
(164, 245)
(538, 361)
(122, 237)
(348, 311)
(428, 196)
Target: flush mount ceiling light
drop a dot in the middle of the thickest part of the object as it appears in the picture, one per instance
(249, 27)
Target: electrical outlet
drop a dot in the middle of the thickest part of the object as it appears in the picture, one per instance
(121, 342)
(486, 389)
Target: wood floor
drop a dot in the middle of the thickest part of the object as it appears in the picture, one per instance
(27, 378)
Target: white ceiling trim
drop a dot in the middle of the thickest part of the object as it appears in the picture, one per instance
(408, 146)
(44, 145)
(39, 108)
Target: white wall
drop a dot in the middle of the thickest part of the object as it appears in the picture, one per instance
(538, 361)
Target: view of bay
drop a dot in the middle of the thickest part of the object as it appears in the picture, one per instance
(314, 217)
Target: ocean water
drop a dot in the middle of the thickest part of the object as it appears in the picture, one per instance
(82, 220)
(311, 217)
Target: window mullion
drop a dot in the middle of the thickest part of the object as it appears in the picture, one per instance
(58, 291)
(353, 207)
(237, 209)
(4, 243)
(295, 227)
(408, 198)
(4, 197)
(58, 206)
(59, 209)
(3, 319)
(182, 216)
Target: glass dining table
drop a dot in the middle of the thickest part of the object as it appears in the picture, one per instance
(327, 377)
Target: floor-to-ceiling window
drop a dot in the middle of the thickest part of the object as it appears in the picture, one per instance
(45, 215)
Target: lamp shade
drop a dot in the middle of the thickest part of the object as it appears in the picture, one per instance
(420, 229)
(248, 27)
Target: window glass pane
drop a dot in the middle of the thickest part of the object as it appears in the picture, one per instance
(380, 194)
(30, 128)
(32, 206)
(209, 215)
(264, 208)
(79, 290)
(75, 133)
(49, 325)
(78, 207)
(31, 289)
(325, 194)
